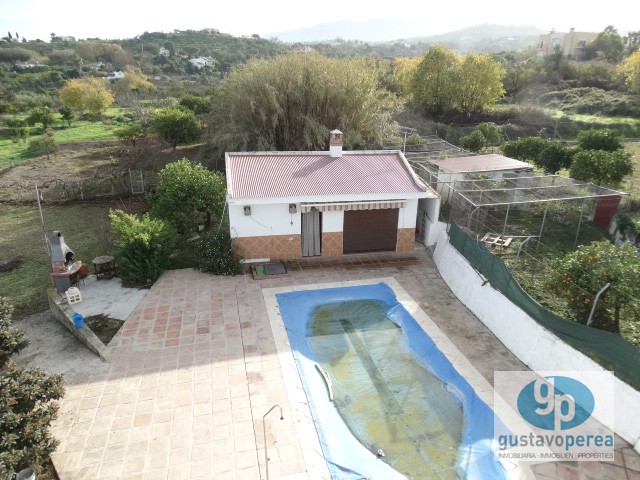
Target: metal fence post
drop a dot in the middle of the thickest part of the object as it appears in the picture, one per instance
(595, 301)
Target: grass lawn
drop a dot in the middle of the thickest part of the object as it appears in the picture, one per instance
(12, 153)
(628, 126)
(85, 228)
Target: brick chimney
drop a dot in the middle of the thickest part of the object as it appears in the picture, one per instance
(335, 144)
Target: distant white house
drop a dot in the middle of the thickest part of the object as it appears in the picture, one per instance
(67, 38)
(27, 65)
(304, 49)
(200, 62)
(164, 52)
(112, 76)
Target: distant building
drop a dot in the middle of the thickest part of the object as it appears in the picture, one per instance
(164, 52)
(27, 65)
(304, 49)
(67, 38)
(113, 76)
(571, 44)
(200, 62)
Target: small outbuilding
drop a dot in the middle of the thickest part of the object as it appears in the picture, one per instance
(493, 166)
(287, 205)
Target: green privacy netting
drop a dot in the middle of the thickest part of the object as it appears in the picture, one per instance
(606, 348)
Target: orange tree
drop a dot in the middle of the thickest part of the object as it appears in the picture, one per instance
(578, 276)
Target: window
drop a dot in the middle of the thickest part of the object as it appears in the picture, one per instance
(582, 43)
(556, 42)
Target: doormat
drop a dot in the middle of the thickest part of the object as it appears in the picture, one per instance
(272, 269)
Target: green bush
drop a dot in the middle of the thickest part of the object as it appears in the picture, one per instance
(554, 158)
(600, 139)
(43, 145)
(601, 167)
(27, 404)
(527, 148)
(145, 246)
(474, 142)
(415, 139)
(216, 254)
(188, 194)
(580, 274)
(491, 132)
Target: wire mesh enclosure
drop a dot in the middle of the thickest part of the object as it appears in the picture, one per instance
(521, 204)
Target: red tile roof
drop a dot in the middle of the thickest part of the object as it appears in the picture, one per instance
(479, 163)
(294, 174)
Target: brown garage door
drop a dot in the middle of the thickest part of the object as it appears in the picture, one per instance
(370, 230)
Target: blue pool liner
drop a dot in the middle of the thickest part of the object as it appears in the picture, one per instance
(347, 458)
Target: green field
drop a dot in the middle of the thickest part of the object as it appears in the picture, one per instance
(85, 228)
(629, 127)
(12, 153)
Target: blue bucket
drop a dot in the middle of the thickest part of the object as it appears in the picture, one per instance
(78, 320)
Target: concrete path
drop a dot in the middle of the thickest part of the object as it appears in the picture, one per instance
(194, 369)
(52, 348)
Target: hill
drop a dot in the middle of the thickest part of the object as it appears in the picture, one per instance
(371, 30)
(485, 38)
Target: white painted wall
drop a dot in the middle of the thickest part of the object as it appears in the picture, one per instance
(275, 219)
(428, 213)
(534, 345)
(272, 219)
(332, 221)
(434, 231)
(407, 215)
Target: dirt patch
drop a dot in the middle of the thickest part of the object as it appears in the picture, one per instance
(10, 265)
(104, 327)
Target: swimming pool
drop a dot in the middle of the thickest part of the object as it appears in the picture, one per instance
(394, 390)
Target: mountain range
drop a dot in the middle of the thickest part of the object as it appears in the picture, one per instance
(401, 28)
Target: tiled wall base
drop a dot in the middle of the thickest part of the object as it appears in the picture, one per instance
(331, 244)
(276, 247)
(288, 247)
(406, 239)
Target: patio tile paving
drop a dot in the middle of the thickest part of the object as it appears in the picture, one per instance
(195, 367)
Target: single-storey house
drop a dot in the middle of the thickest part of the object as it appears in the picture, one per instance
(287, 205)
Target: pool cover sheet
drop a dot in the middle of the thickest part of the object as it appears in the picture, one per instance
(346, 457)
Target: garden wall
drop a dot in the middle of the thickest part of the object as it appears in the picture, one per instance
(532, 343)
(63, 312)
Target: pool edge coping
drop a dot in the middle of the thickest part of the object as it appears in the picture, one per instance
(315, 462)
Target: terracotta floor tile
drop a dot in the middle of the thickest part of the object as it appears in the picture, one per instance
(195, 367)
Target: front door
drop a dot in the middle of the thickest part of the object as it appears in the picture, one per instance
(311, 234)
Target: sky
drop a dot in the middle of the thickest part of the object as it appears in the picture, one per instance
(114, 19)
